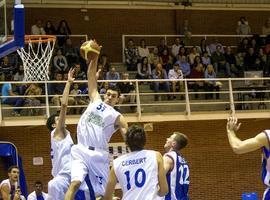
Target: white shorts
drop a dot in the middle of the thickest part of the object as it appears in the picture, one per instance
(58, 186)
(94, 163)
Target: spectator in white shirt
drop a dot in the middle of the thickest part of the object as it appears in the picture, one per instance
(143, 49)
(37, 29)
(176, 46)
(176, 74)
(38, 193)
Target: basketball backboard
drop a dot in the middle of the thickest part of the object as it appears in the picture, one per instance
(17, 41)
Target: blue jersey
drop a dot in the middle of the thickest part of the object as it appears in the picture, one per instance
(266, 162)
(178, 178)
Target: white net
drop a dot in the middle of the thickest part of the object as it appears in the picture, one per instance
(36, 58)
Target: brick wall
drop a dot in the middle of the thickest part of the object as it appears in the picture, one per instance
(216, 172)
(107, 25)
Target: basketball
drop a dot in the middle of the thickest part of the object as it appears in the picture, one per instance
(89, 50)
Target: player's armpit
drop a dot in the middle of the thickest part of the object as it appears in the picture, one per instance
(5, 192)
(163, 185)
(110, 185)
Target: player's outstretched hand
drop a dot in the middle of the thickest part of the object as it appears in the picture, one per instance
(70, 75)
(232, 124)
(94, 50)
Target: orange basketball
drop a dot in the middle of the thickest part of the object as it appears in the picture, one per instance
(89, 50)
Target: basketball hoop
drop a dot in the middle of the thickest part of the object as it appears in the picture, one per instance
(36, 56)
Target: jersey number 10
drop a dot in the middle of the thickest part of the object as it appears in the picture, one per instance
(138, 182)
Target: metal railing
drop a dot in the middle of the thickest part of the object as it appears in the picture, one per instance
(234, 95)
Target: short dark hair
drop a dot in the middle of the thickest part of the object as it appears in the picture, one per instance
(12, 167)
(135, 138)
(115, 88)
(38, 183)
(181, 140)
(51, 121)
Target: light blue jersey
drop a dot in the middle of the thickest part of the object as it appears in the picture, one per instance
(178, 178)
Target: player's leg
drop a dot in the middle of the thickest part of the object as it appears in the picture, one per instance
(57, 187)
(266, 194)
(78, 170)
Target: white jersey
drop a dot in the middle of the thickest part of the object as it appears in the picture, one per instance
(33, 196)
(6, 181)
(137, 173)
(97, 125)
(60, 154)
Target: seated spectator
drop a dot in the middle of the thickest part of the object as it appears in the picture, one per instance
(197, 73)
(38, 193)
(19, 75)
(240, 62)
(167, 60)
(154, 58)
(143, 49)
(56, 89)
(33, 90)
(175, 47)
(230, 59)
(162, 45)
(143, 69)
(197, 61)
(49, 28)
(63, 31)
(242, 27)
(250, 61)
(206, 60)
(8, 99)
(70, 52)
(77, 98)
(211, 85)
(219, 63)
(131, 55)
(203, 48)
(182, 52)
(104, 64)
(37, 29)
(160, 73)
(112, 75)
(127, 91)
(6, 67)
(262, 59)
(78, 73)
(191, 56)
(9, 187)
(60, 62)
(254, 45)
(213, 46)
(176, 74)
(184, 66)
(243, 46)
(266, 27)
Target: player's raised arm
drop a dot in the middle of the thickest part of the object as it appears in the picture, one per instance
(91, 52)
(60, 128)
(122, 124)
(245, 146)
(163, 185)
(110, 185)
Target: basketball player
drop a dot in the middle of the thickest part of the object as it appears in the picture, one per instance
(176, 167)
(140, 173)
(260, 141)
(9, 186)
(90, 158)
(61, 143)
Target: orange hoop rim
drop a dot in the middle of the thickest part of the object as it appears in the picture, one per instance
(39, 38)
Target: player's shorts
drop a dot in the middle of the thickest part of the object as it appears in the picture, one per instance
(58, 186)
(91, 162)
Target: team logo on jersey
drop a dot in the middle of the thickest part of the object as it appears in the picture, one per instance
(95, 119)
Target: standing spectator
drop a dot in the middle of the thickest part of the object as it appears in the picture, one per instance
(175, 47)
(176, 75)
(143, 49)
(266, 27)
(242, 27)
(162, 45)
(143, 69)
(63, 31)
(127, 91)
(112, 75)
(211, 85)
(38, 193)
(131, 55)
(70, 52)
(160, 73)
(49, 28)
(8, 99)
(60, 62)
(37, 29)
